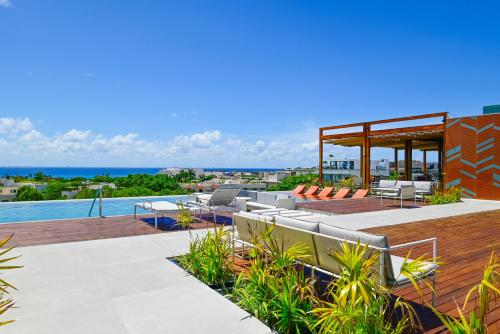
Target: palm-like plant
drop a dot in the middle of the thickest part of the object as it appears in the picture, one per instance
(209, 257)
(476, 322)
(356, 302)
(6, 302)
(184, 217)
(275, 289)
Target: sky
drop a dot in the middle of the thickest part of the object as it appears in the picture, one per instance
(229, 83)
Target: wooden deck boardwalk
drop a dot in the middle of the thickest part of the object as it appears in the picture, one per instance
(68, 230)
(465, 244)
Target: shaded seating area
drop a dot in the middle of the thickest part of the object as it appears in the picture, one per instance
(427, 136)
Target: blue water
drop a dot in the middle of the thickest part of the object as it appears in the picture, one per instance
(89, 172)
(49, 210)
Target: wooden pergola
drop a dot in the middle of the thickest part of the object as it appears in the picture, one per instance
(423, 137)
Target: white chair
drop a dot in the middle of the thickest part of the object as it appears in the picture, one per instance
(219, 200)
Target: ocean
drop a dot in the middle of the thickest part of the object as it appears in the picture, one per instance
(89, 172)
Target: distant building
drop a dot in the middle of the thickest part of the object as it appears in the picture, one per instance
(7, 193)
(494, 109)
(172, 171)
(336, 170)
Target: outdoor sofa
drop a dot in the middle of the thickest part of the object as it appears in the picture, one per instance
(322, 239)
(258, 200)
(392, 189)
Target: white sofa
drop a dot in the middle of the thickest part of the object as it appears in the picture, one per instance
(322, 239)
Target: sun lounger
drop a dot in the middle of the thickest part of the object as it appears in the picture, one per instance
(158, 208)
(327, 192)
(299, 189)
(311, 191)
(222, 199)
(342, 193)
(360, 193)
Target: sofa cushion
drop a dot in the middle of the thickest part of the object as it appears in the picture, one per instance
(387, 184)
(375, 240)
(400, 184)
(398, 279)
(423, 186)
(266, 198)
(300, 224)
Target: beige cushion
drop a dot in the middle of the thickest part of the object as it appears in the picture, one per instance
(300, 224)
(380, 241)
(387, 184)
(399, 279)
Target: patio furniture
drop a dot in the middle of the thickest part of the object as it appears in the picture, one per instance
(158, 208)
(299, 189)
(321, 239)
(222, 199)
(422, 189)
(360, 193)
(342, 193)
(402, 193)
(326, 193)
(262, 200)
(310, 192)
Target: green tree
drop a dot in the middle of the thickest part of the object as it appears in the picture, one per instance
(40, 176)
(290, 182)
(85, 193)
(27, 193)
(53, 190)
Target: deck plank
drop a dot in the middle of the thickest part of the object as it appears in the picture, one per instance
(465, 244)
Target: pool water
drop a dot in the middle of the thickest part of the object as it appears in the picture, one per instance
(64, 209)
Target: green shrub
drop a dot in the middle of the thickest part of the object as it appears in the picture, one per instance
(6, 302)
(276, 290)
(450, 195)
(27, 193)
(356, 303)
(208, 258)
(347, 182)
(290, 182)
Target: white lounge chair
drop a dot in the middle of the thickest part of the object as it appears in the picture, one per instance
(221, 199)
(158, 208)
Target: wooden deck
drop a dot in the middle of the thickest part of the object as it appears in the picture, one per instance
(465, 244)
(346, 206)
(68, 230)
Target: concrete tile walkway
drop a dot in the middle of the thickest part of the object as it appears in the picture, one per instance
(364, 220)
(118, 286)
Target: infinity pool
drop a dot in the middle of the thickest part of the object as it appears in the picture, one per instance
(64, 209)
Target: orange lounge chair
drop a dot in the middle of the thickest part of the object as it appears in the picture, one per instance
(360, 193)
(299, 189)
(326, 193)
(342, 193)
(311, 191)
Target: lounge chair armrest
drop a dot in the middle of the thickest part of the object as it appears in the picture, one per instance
(418, 242)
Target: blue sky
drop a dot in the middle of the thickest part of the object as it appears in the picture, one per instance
(229, 83)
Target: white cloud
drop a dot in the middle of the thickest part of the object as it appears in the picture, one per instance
(5, 3)
(15, 125)
(22, 144)
(89, 74)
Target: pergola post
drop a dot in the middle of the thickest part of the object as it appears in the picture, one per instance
(424, 162)
(320, 177)
(408, 159)
(440, 164)
(366, 155)
(396, 169)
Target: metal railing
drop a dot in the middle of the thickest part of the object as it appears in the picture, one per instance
(97, 193)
